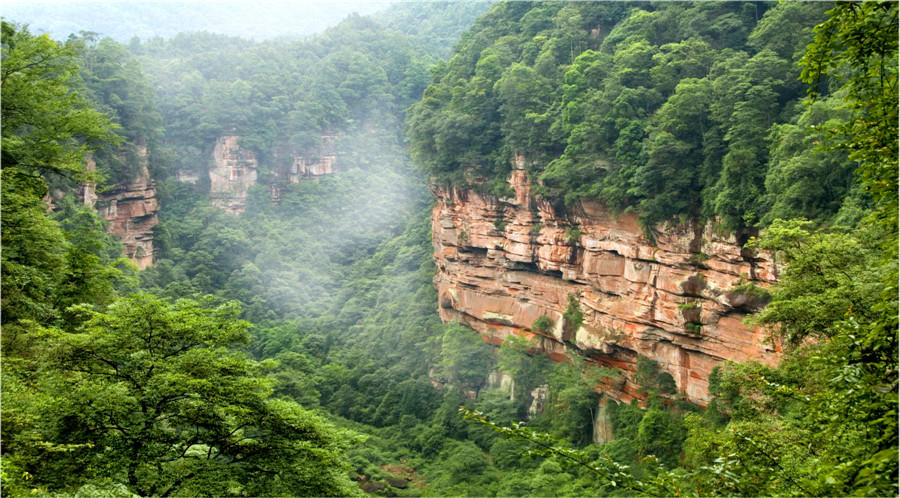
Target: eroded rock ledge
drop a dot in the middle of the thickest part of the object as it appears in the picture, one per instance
(679, 301)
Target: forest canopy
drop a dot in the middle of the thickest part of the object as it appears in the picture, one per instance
(674, 110)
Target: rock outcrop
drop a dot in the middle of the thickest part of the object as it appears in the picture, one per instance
(292, 165)
(233, 172)
(130, 207)
(679, 300)
(236, 169)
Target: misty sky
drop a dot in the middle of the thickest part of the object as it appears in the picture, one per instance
(124, 20)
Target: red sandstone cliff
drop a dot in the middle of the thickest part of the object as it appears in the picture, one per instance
(679, 301)
(293, 165)
(131, 209)
(235, 169)
(233, 172)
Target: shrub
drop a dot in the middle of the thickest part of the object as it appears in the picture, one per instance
(573, 235)
(699, 257)
(542, 325)
(573, 318)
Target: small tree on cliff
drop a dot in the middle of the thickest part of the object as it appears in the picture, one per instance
(573, 318)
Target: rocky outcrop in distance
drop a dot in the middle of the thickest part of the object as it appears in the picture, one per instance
(235, 169)
(680, 300)
(130, 207)
(292, 165)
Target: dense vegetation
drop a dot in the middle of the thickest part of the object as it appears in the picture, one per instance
(676, 110)
(685, 111)
(294, 348)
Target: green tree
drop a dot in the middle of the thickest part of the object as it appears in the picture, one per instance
(48, 127)
(466, 360)
(33, 251)
(752, 105)
(857, 47)
(163, 403)
(661, 434)
(525, 98)
(824, 422)
(828, 277)
(805, 180)
(518, 359)
(691, 58)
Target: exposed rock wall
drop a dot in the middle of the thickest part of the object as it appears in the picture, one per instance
(233, 172)
(131, 209)
(603, 426)
(236, 169)
(293, 165)
(679, 301)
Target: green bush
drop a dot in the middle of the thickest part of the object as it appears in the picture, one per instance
(542, 324)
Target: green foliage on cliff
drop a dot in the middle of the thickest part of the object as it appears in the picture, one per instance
(676, 110)
(116, 84)
(823, 422)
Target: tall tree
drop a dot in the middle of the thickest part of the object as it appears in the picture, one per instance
(47, 125)
(48, 129)
(857, 47)
(155, 396)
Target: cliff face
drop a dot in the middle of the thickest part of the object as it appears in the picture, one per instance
(292, 165)
(679, 301)
(131, 209)
(234, 171)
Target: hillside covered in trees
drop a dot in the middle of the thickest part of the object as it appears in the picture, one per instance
(291, 346)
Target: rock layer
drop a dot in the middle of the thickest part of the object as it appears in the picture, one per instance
(235, 169)
(233, 172)
(292, 165)
(130, 208)
(679, 300)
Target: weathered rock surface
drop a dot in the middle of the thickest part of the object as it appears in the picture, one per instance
(233, 172)
(603, 426)
(504, 263)
(130, 208)
(292, 165)
(236, 169)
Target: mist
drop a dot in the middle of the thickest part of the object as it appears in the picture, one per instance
(123, 21)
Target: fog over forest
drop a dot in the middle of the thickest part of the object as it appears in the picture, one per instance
(440, 249)
(124, 20)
